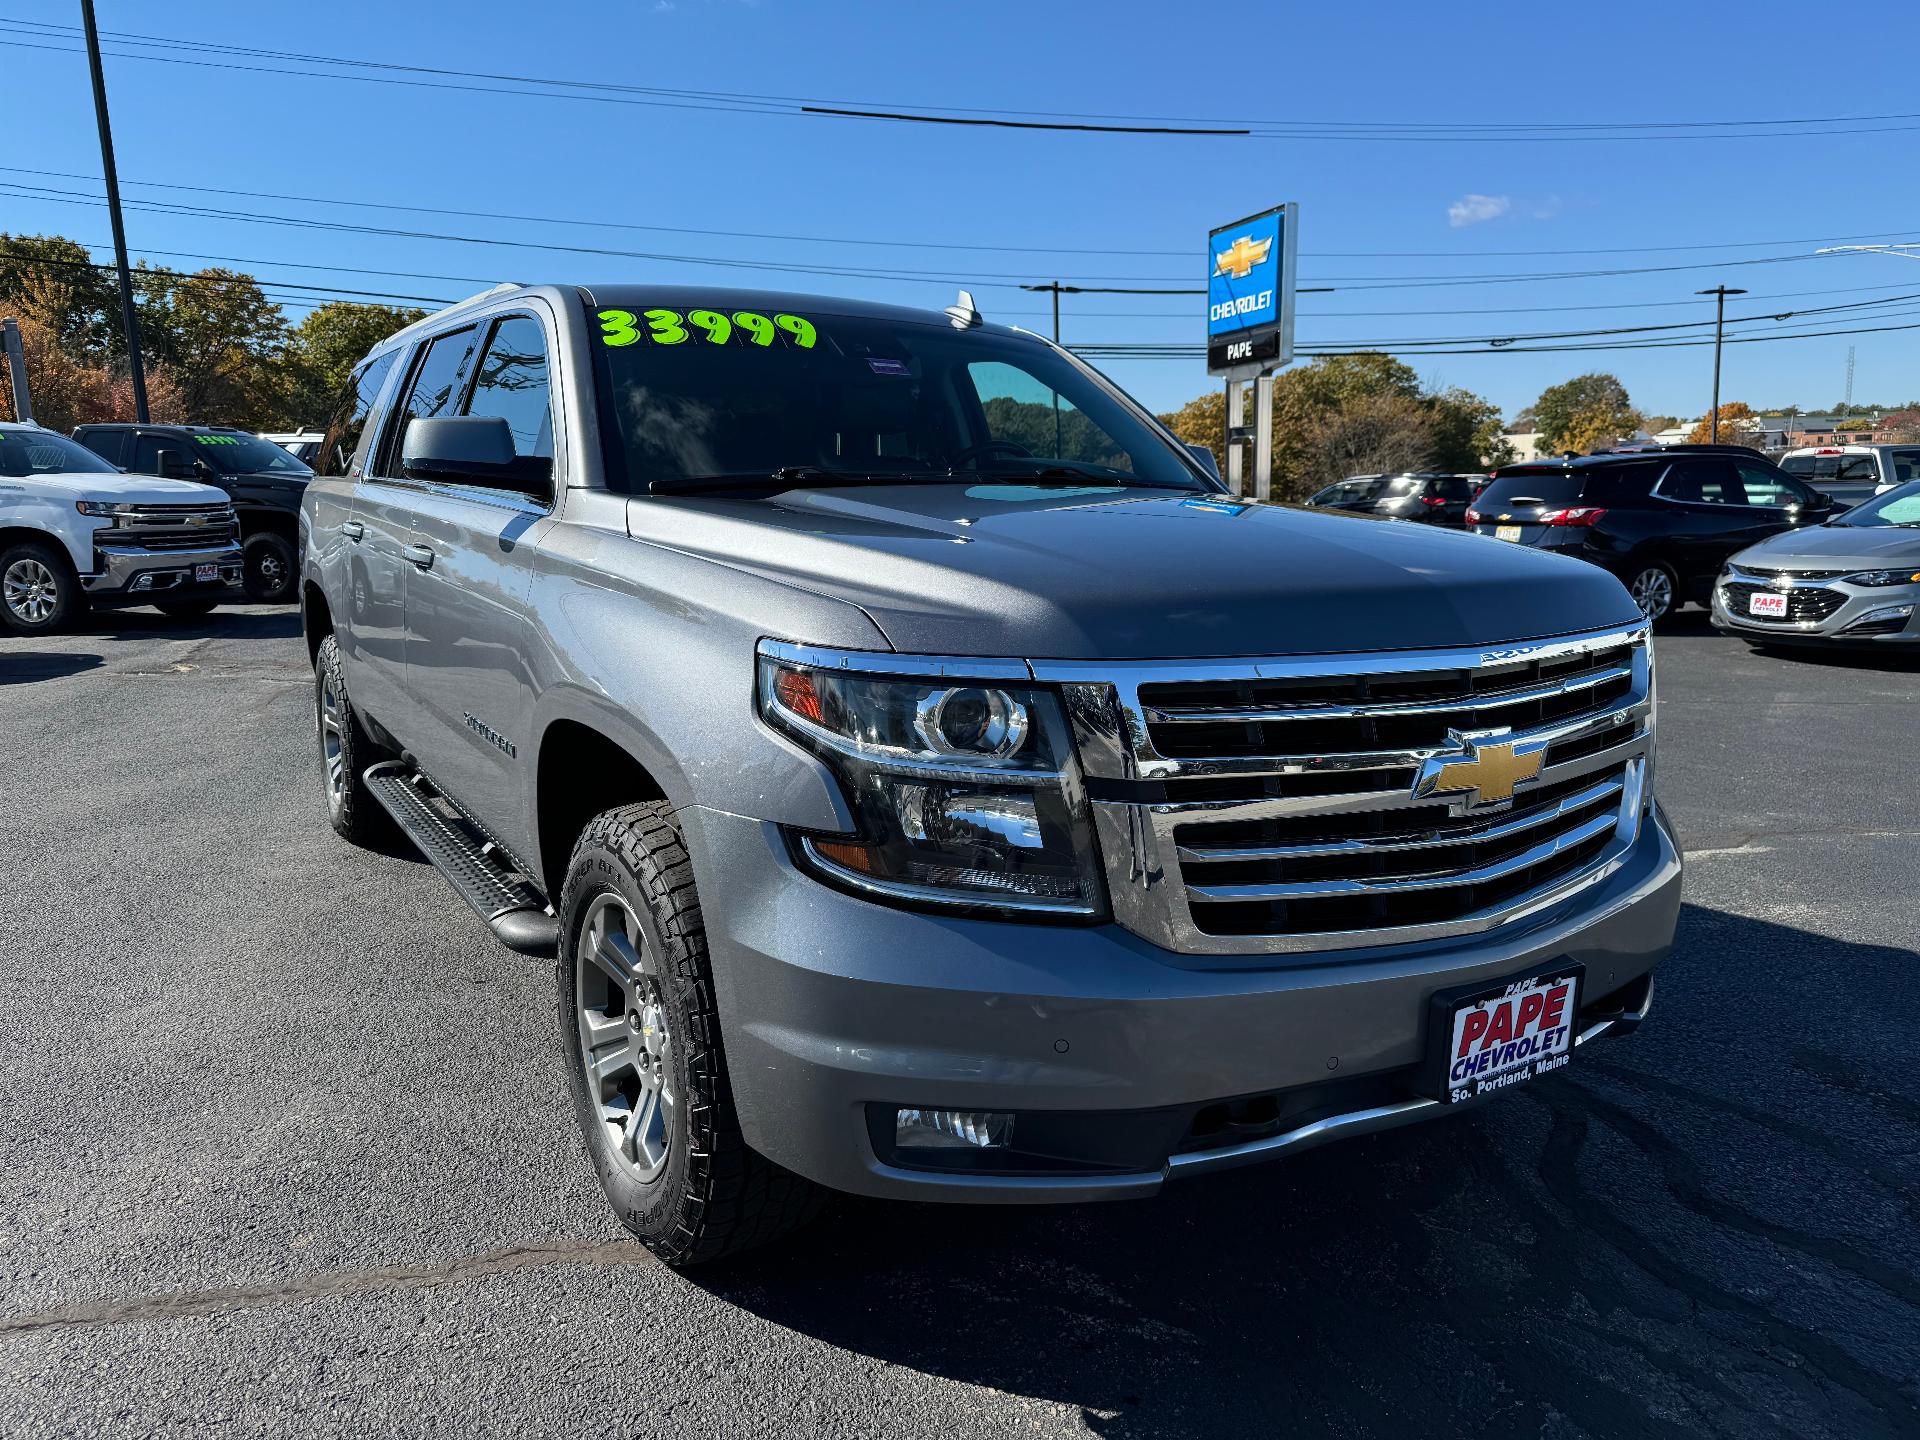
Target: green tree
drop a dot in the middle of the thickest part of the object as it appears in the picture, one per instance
(1595, 403)
(52, 265)
(223, 339)
(1467, 432)
(325, 346)
(1370, 434)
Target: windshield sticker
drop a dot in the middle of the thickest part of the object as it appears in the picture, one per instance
(1904, 511)
(709, 327)
(216, 439)
(887, 367)
(1215, 507)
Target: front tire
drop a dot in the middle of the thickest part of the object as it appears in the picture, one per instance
(346, 750)
(641, 1032)
(1656, 590)
(38, 590)
(266, 569)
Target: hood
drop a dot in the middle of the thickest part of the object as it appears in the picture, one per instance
(1098, 573)
(1835, 547)
(118, 489)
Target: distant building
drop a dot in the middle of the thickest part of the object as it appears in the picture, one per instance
(1526, 445)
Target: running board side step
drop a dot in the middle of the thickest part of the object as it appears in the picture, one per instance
(513, 909)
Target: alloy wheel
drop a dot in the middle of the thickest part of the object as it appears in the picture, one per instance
(625, 1046)
(333, 751)
(1653, 592)
(31, 591)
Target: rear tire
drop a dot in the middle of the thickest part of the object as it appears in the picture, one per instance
(266, 569)
(346, 750)
(637, 1005)
(185, 609)
(1656, 590)
(39, 592)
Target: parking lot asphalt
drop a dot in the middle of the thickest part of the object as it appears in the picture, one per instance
(285, 1146)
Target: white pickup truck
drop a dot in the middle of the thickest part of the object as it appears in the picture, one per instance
(76, 533)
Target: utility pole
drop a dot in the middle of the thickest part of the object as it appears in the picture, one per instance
(1720, 294)
(128, 318)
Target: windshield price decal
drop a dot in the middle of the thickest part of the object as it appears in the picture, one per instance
(216, 439)
(672, 327)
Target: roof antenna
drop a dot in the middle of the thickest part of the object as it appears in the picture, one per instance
(962, 312)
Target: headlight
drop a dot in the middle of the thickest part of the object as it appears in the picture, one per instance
(101, 508)
(1907, 576)
(963, 792)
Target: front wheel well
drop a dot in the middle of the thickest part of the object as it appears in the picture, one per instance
(581, 774)
(316, 619)
(11, 535)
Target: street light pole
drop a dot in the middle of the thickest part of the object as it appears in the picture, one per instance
(128, 318)
(1720, 294)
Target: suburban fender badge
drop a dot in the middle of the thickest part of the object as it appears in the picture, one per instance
(488, 733)
(1484, 769)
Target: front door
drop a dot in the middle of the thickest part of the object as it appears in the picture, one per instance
(469, 638)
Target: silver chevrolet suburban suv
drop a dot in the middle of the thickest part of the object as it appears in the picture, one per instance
(932, 784)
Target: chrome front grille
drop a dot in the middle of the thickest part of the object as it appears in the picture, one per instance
(1273, 806)
(171, 527)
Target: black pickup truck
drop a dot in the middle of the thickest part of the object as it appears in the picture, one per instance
(265, 482)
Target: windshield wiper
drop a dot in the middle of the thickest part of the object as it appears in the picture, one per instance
(1074, 474)
(784, 477)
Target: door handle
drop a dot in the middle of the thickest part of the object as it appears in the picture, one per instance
(420, 555)
(353, 529)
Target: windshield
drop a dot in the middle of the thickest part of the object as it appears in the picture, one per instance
(698, 394)
(1896, 507)
(41, 452)
(246, 455)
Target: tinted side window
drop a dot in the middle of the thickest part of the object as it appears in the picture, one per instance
(1798, 465)
(1618, 484)
(436, 384)
(109, 445)
(1906, 465)
(146, 453)
(512, 383)
(1858, 468)
(1708, 482)
(347, 431)
(1764, 487)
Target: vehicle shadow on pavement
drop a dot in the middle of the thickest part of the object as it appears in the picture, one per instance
(1695, 622)
(23, 668)
(1705, 1228)
(279, 622)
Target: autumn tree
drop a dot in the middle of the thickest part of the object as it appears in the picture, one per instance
(1467, 434)
(1369, 435)
(1581, 409)
(325, 346)
(1738, 423)
(224, 340)
(86, 320)
(1901, 427)
(69, 388)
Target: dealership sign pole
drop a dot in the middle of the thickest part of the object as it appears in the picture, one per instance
(1250, 284)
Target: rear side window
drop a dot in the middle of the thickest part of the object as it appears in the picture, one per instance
(1530, 490)
(146, 453)
(1905, 465)
(1801, 465)
(1454, 488)
(340, 452)
(436, 385)
(1703, 482)
(109, 445)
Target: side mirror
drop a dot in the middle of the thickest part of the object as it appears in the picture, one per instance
(1204, 455)
(176, 465)
(472, 450)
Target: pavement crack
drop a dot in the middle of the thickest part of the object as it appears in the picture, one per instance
(189, 1304)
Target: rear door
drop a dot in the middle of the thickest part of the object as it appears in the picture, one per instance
(1704, 512)
(381, 563)
(469, 649)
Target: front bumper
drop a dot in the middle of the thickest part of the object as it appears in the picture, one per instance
(1854, 622)
(125, 575)
(1135, 1063)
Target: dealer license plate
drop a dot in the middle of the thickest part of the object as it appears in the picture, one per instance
(1504, 1035)
(1506, 532)
(1763, 603)
(203, 573)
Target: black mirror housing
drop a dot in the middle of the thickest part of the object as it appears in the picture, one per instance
(174, 465)
(472, 450)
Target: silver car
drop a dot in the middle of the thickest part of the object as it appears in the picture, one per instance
(1854, 580)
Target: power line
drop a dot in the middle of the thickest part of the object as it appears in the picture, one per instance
(573, 88)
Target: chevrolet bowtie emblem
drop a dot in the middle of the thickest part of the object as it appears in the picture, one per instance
(1239, 258)
(1486, 769)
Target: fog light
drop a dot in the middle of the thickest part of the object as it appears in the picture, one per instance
(1883, 615)
(144, 582)
(952, 1130)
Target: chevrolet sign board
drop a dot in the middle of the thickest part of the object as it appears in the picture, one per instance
(1250, 293)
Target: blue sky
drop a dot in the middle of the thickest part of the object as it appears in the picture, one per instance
(1059, 205)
